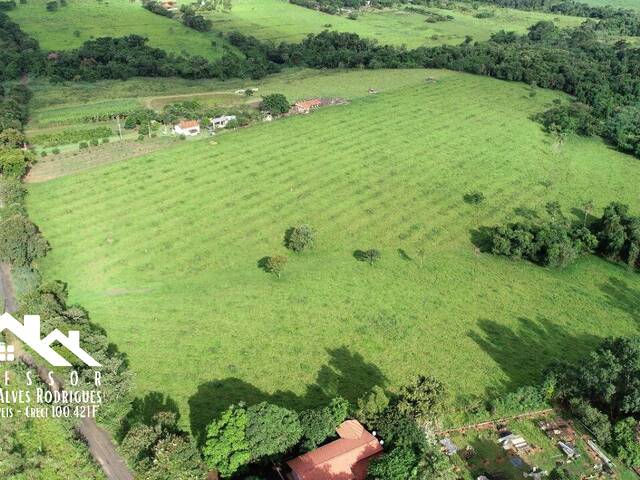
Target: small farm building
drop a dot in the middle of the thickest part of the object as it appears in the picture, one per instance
(223, 121)
(307, 105)
(188, 128)
(346, 458)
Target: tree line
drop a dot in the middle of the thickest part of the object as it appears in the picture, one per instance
(604, 77)
(557, 242)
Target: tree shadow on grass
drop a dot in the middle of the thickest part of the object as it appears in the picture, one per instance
(523, 352)
(481, 238)
(144, 409)
(526, 213)
(262, 264)
(402, 253)
(346, 374)
(583, 217)
(622, 296)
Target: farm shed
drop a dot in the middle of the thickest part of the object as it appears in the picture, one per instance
(346, 458)
(222, 121)
(170, 5)
(450, 448)
(513, 442)
(307, 105)
(189, 128)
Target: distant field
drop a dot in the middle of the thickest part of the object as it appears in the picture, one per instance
(163, 250)
(279, 20)
(81, 20)
(616, 3)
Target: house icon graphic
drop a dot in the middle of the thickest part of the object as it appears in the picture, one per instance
(29, 333)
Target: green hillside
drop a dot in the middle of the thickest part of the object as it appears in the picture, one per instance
(81, 20)
(279, 20)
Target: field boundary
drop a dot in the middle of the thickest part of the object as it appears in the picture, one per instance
(98, 441)
(491, 423)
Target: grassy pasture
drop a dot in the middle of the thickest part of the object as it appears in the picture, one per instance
(616, 3)
(81, 20)
(163, 249)
(278, 20)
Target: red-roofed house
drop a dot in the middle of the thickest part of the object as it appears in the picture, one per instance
(307, 105)
(344, 459)
(188, 128)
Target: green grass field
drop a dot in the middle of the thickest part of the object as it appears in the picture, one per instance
(163, 249)
(616, 3)
(81, 20)
(278, 20)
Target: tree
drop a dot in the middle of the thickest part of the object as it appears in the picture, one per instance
(399, 430)
(370, 407)
(20, 241)
(399, 464)
(320, 424)
(227, 448)
(300, 238)
(317, 425)
(422, 399)
(276, 103)
(276, 264)
(271, 430)
(623, 128)
(595, 421)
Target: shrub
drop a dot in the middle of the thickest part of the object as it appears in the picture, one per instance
(300, 238)
(399, 464)
(141, 138)
(370, 256)
(105, 140)
(95, 142)
(474, 198)
(55, 151)
(52, 6)
(43, 153)
(13, 162)
(595, 421)
(83, 145)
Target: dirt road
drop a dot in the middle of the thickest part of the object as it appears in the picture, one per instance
(99, 442)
